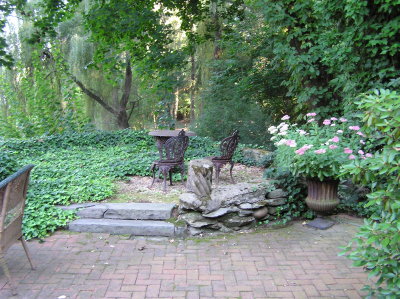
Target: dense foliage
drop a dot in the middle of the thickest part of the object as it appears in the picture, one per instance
(8, 165)
(377, 245)
(333, 50)
(244, 91)
(81, 167)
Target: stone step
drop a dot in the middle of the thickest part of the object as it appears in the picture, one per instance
(125, 211)
(122, 227)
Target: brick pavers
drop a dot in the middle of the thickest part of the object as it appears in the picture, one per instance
(292, 262)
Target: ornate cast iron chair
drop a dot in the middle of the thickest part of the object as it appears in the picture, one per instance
(227, 147)
(12, 202)
(174, 149)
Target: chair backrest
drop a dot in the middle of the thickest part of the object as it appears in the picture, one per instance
(12, 203)
(228, 145)
(175, 147)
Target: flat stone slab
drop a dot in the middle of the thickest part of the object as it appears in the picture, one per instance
(96, 211)
(76, 206)
(123, 227)
(128, 211)
(321, 223)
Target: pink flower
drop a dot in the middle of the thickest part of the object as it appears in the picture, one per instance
(320, 151)
(303, 149)
(362, 141)
(285, 117)
(311, 114)
(327, 122)
(342, 119)
(291, 143)
(272, 129)
(332, 146)
(302, 132)
(300, 151)
(354, 128)
(361, 152)
(311, 120)
(283, 127)
(335, 139)
(352, 157)
(360, 133)
(281, 142)
(333, 118)
(347, 151)
(339, 131)
(368, 155)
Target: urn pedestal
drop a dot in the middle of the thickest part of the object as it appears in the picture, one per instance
(322, 198)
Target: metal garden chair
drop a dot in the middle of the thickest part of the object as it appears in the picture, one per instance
(174, 149)
(227, 147)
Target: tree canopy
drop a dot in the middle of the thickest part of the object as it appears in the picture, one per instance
(141, 63)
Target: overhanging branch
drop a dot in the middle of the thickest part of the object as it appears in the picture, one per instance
(94, 96)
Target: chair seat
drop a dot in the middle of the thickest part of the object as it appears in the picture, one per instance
(169, 161)
(222, 159)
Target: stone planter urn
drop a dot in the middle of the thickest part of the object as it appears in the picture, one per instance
(322, 198)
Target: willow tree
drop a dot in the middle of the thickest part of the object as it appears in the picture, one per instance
(36, 95)
(124, 34)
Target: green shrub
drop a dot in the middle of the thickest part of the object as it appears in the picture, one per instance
(353, 199)
(377, 244)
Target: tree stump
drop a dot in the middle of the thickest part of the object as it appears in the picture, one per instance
(200, 177)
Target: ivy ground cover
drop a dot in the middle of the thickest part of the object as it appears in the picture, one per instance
(82, 167)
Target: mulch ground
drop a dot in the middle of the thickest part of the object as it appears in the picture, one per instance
(137, 188)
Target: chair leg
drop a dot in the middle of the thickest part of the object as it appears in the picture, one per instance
(182, 173)
(4, 266)
(230, 171)
(170, 177)
(217, 171)
(27, 252)
(164, 172)
(154, 176)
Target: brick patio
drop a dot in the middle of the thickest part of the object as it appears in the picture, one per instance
(292, 262)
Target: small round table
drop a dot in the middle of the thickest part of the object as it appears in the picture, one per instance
(161, 136)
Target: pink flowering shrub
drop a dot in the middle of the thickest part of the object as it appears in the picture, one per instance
(314, 150)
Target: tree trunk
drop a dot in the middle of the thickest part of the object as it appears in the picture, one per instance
(176, 104)
(192, 87)
(122, 116)
(217, 30)
(122, 120)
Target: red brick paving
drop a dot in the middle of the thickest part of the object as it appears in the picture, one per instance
(292, 262)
